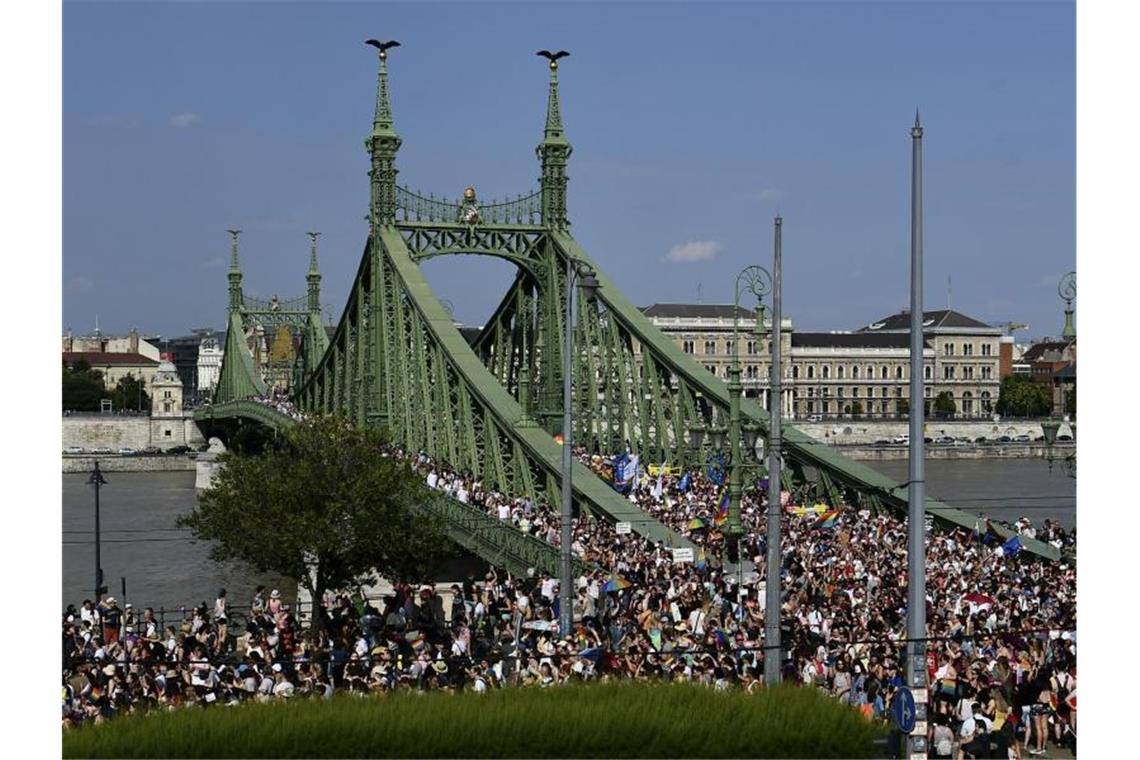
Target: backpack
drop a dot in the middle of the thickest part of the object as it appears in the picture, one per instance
(1062, 686)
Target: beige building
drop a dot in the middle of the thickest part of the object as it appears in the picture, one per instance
(116, 366)
(832, 375)
(130, 343)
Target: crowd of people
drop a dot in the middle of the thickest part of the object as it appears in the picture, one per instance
(1001, 649)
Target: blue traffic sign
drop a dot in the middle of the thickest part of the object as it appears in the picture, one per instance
(903, 710)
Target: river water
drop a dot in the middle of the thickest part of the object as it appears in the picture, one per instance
(164, 568)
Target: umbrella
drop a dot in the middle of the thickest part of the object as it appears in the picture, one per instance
(616, 583)
(697, 523)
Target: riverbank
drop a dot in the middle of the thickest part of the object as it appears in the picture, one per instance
(118, 463)
(883, 452)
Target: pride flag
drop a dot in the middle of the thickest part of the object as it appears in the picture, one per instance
(828, 519)
(722, 507)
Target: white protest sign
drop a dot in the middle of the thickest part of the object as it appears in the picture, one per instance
(622, 528)
(683, 555)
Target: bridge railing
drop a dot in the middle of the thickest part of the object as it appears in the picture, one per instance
(416, 207)
(517, 551)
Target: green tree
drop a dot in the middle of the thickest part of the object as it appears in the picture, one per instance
(855, 408)
(322, 506)
(944, 403)
(903, 406)
(130, 393)
(82, 387)
(1021, 396)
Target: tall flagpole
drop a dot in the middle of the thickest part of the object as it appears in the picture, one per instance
(773, 652)
(916, 551)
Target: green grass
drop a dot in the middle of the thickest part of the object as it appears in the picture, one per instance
(602, 720)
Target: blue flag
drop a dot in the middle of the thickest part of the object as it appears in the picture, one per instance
(686, 481)
(1012, 546)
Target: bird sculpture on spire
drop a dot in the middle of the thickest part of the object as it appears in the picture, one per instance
(553, 57)
(382, 46)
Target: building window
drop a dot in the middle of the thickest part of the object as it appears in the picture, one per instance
(883, 392)
(855, 372)
(687, 346)
(967, 403)
(166, 432)
(947, 373)
(987, 349)
(967, 349)
(751, 371)
(928, 372)
(795, 373)
(987, 404)
(987, 373)
(729, 348)
(710, 348)
(898, 373)
(827, 407)
(898, 392)
(870, 372)
(855, 392)
(968, 372)
(839, 372)
(884, 373)
(870, 391)
(810, 407)
(826, 372)
(811, 392)
(751, 348)
(948, 349)
(839, 392)
(926, 392)
(811, 371)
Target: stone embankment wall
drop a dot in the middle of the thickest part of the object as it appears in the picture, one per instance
(113, 463)
(91, 431)
(869, 431)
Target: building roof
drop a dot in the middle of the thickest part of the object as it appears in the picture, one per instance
(694, 310)
(852, 340)
(1068, 372)
(931, 320)
(107, 358)
(1037, 351)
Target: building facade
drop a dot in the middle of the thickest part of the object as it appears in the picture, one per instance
(209, 364)
(837, 375)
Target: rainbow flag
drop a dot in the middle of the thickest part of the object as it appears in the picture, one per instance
(828, 519)
(700, 563)
(722, 508)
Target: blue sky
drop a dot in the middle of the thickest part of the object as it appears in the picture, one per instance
(691, 125)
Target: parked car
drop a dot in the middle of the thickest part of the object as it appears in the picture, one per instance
(101, 450)
(901, 439)
(127, 451)
(151, 450)
(1023, 438)
(74, 450)
(178, 450)
(1005, 439)
(944, 441)
(981, 439)
(814, 418)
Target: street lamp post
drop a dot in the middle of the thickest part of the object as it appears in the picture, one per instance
(757, 281)
(580, 270)
(96, 479)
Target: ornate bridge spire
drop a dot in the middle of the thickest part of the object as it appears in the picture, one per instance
(314, 276)
(553, 151)
(234, 275)
(382, 144)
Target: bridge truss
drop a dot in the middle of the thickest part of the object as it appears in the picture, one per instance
(397, 359)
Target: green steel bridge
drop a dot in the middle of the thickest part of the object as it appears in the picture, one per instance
(492, 406)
